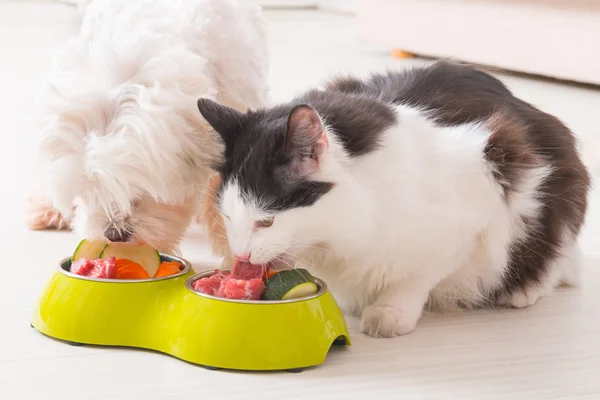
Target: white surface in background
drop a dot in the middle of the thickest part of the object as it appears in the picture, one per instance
(555, 38)
(286, 3)
(346, 6)
(549, 351)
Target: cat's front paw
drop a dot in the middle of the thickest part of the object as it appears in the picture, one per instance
(386, 322)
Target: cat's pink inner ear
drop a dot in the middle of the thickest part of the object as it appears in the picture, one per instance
(322, 144)
(306, 135)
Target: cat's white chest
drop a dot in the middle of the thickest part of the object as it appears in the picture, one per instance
(427, 203)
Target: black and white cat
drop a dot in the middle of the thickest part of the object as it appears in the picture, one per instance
(434, 186)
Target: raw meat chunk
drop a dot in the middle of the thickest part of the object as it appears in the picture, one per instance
(244, 283)
(208, 285)
(82, 266)
(241, 289)
(95, 269)
(245, 270)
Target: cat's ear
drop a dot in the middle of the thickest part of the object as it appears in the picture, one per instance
(306, 136)
(225, 120)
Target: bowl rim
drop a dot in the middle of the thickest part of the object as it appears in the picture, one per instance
(188, 284)
(187, 268)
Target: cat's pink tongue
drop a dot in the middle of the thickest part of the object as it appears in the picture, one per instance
(245, 270)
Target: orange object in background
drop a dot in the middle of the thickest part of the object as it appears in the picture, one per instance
(398, 53)
(167, 268)
(127, 269)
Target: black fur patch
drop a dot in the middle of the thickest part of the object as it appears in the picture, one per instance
(454, 94)
(257, 163)
(255, 153)
(357, 120)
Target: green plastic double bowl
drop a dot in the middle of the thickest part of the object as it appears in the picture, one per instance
(166, 315)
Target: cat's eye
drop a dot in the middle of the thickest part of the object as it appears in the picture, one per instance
(266, 222)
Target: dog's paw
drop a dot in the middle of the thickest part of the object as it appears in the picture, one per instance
(386, 322)
(40, 214)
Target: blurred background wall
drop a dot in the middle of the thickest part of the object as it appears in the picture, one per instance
(553, 38)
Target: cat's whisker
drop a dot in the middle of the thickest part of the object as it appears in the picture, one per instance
(219, 235)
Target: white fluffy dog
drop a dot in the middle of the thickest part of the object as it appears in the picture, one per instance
(122, 138)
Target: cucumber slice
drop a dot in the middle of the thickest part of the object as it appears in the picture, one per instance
(290, 284)
(90, 249)
(146, 256)
(302, 290)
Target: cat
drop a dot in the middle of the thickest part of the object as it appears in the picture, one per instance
(433, 187)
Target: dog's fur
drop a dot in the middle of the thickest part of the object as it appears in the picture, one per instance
(211, 216)
(121, 137)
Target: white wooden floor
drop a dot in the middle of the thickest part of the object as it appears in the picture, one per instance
(549, 351)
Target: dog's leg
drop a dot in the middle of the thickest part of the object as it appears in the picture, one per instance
(211, 217)
(40, 214)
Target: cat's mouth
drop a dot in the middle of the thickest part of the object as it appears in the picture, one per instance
(246, 270)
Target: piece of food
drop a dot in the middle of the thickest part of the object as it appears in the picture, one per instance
(208, 285)
(95, 268)
(167, 268)
(245, 282)
(145, 256)
(269, 273)
(104, 268)
(82, 266)
(128, 269)
(245, 270)
(121, 262)
(97, 259)
(241, 289)
(90, 249)
(230, 286)
(290, 284)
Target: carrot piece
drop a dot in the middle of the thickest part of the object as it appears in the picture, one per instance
(132, 271)
(270, 272)
(121, 262)
(167, 268)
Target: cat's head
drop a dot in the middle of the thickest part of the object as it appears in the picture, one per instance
(273, 179)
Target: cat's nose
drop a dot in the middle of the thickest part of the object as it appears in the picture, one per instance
(245, 257)
(116, 235)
